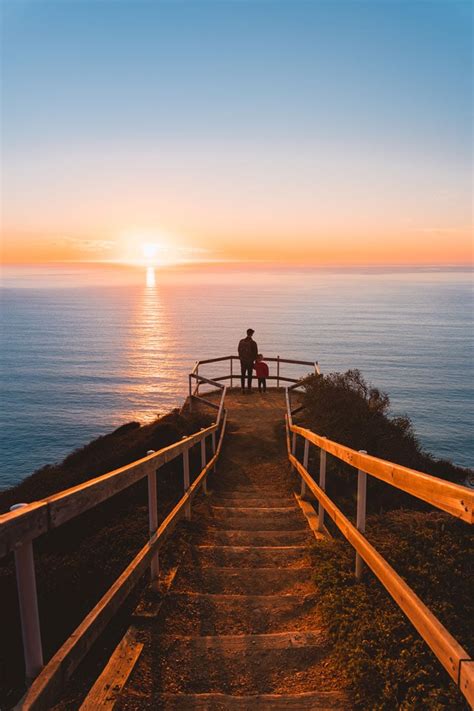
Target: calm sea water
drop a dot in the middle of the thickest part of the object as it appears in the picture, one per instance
(86, 349)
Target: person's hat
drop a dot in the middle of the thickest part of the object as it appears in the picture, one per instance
(250, 332)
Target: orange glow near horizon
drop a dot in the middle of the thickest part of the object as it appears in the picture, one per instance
(416, 246)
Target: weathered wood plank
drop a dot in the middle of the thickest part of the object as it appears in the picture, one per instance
(202, 379)
(17, 528)
(445, 647)
(312, 518)
(59, 669)
(41, 516)
(307, 701)
(207, 402)
(113, 678)
(466, 680)
(244, 642)
(454, 499)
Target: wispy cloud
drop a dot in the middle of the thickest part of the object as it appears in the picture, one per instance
(96, 246)
(442, 230)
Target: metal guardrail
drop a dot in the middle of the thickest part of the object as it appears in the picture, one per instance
(452, 498)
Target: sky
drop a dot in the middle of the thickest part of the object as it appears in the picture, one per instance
(325, 132)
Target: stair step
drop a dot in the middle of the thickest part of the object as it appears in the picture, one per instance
(251, 556)
(231, 499)
(292, 521)
(246, 581)
(252, 491)
(207, 614)
(255, 510)
(309, 701)
(230, 643)
(255, 538)
(253, 501)
(235, 664)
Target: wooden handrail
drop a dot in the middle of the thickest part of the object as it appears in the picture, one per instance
(272, 359)
(453, 498)
(449, 652)
(53, 677)
(214, 360)
(41, 516)
(202, 379)
(20, 527)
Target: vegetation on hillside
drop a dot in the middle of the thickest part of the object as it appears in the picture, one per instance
(387, 662)
(78, 562)
(347, 409)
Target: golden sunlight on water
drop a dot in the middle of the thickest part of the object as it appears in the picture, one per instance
(148, 366)
(150, 277)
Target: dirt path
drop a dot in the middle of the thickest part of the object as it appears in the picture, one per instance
(239, 628)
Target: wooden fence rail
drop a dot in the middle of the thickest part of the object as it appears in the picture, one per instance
(47, 686)
(231, 375)
(21, 526)
(454, 499)
(39, 517)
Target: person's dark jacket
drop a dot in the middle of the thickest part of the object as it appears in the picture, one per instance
(248, 350)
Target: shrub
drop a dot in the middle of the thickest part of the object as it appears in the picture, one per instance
(388, 664)
(347, 409)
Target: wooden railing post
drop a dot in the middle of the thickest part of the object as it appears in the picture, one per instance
(278, 371)
(203, 462)
(305, 464)
(197, 380)
(322, 485)
(361, 510)
(231, 372)
(153, 524)
(214, 448)
(293, 444)
(28, 602)
(187, 508)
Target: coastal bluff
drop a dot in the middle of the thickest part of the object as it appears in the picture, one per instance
(231, 616)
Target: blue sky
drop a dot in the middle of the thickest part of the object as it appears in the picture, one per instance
(240, 100)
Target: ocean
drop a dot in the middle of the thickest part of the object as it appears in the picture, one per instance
(86, 348)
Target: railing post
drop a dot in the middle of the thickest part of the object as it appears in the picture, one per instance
(231, 372)
(187, 508)
(278, 371)
(28, 602)
(203, 462)
(322, 485)
(190, 392)
(197, 380)
(214, 449)
(305, 464)
(153, 524)
(361, 510)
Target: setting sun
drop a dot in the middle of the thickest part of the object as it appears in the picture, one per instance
(150, 250)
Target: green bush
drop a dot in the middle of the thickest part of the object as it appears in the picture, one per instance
(347, 409)
(386, 662)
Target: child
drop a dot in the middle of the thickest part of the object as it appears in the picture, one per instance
(262, 373)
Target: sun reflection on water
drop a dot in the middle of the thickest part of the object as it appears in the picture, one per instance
(149, 367)
(150, 277)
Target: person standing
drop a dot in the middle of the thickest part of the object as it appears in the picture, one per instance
(261, 368)
(248, 352)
